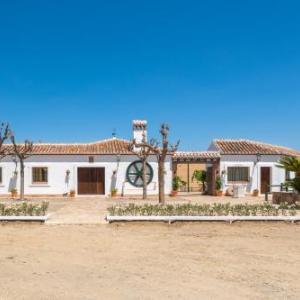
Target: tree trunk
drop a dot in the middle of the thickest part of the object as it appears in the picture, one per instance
(144, 179)
(21, 180)
(161, 180)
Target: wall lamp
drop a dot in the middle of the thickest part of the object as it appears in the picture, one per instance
(258, 157)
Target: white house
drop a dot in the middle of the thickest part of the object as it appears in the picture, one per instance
(252, 164)
(99, 167)
(89, 169)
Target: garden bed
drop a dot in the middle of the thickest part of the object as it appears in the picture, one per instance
(24, 211)
(285, 197)
(205, 212)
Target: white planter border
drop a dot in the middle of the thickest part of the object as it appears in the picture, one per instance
(24, 218)
(171, 219)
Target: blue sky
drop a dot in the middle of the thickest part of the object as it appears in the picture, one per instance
(74, 70)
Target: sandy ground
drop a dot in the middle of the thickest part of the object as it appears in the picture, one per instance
(150, 261)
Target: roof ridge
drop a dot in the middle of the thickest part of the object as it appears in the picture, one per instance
(230, 140)
(109, 140)
(78, 143)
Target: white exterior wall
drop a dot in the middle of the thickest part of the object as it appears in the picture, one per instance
(277, 174)
(59, 164)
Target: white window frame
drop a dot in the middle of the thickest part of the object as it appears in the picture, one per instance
(238, 181)
(33, 183)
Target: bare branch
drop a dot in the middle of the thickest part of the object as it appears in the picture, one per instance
(22, 152)
(143, 149)
(4, 134)
(174, 148)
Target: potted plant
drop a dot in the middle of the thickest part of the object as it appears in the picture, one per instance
(113, 192)
(175, 185)
(72, 193)
(219, 191)
(14, 192)
(255, 193)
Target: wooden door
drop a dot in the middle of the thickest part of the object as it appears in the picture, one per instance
(265, 179)
(91, 181)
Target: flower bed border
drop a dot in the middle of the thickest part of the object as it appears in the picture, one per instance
(24, 218)
(171, 219)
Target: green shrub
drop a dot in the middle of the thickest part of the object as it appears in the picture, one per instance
(24, 209)
(296, 184)
(200, 176)
(177, 183)
(218, 183)
(216, 209)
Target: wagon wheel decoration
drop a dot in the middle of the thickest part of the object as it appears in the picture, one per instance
(135, 173)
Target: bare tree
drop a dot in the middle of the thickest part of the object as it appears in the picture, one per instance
(161, 151)
(22, 152)
(161, 154)
(142, 151)
(4, 134)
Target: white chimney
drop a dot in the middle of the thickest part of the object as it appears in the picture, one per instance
(139, 128)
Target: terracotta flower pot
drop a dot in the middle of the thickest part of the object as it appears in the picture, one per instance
(72, 194)
(113, 194)
(219, 193)
(14, 194)
(174, 193)
(255, 193)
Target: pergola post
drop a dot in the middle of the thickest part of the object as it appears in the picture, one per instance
(215, 173)
(188, 175)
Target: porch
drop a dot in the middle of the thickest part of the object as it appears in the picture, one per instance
(186, 163)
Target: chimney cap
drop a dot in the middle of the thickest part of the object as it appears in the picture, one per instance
(139, 124)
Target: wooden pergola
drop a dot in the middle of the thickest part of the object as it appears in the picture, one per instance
(210, 158)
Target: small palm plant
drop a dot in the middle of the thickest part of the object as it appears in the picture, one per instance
(292, 164)
(200, 177)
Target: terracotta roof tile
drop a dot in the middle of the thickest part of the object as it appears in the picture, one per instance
(109, 146)
(196, 155)
(245, 147)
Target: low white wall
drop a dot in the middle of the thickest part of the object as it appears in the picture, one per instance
(277, 174)
(58, 183)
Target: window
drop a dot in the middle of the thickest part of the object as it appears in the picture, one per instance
(91, 159)
(0, 175)
(40, 175)
(288, 175)
(238, 174)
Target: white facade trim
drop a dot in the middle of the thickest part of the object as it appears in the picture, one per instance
(277, 175)
(59, 183)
